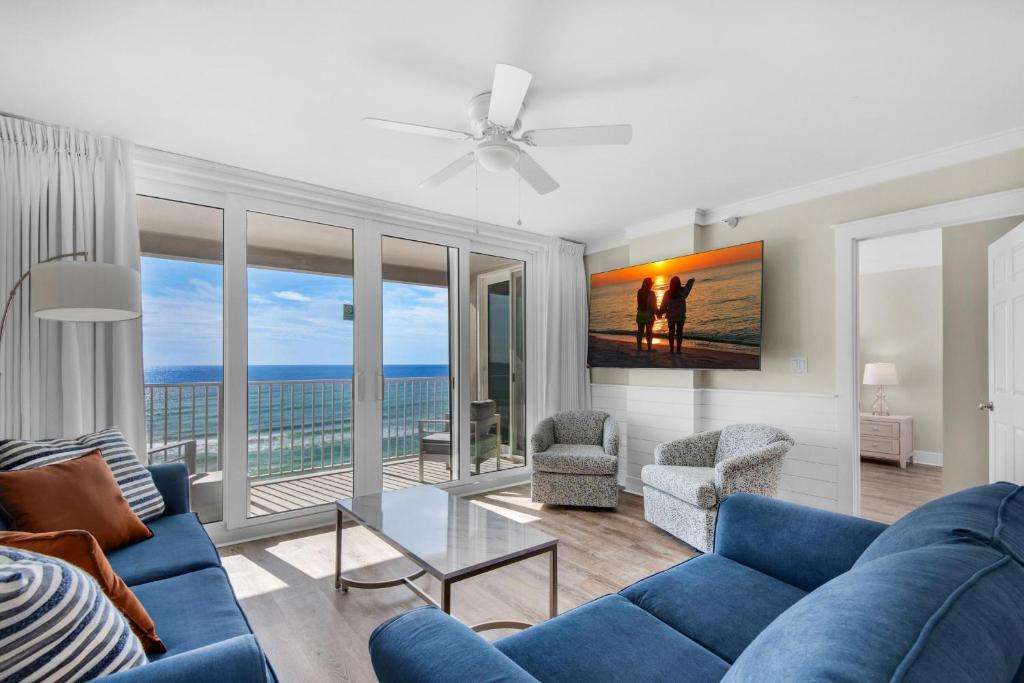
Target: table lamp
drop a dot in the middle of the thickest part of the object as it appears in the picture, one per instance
(880, 375)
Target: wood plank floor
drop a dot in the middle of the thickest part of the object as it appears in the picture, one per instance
(888, 492)
(312, 633)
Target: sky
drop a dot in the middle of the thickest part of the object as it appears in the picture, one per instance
(294, 318)
(680, 264)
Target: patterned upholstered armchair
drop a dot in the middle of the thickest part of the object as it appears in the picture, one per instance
(576, 459)
(691, 475)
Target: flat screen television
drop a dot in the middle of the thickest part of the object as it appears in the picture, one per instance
(701, 311)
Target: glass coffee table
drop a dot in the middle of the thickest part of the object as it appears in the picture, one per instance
(448, 537)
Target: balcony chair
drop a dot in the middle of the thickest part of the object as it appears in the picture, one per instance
(484, 437)
(693, 474)
(576, 460)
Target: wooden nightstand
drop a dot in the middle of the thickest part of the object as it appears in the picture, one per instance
(888, 437)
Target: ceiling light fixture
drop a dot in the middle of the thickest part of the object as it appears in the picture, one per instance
(497, 155)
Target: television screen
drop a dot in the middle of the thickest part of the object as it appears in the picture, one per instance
(701, 311)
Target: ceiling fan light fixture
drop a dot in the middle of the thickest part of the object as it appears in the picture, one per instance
(497, 155)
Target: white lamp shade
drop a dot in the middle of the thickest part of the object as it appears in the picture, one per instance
(85, 291)
(880, 374)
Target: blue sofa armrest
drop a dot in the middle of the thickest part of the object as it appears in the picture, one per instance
(171, 480)
(236, 660)
(428, 646)
(803, 546)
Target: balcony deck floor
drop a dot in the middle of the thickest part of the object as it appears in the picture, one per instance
(316, 489)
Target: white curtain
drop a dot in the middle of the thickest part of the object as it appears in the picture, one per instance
(65, 190)
(566, 379)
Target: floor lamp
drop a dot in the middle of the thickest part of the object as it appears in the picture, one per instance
(79, 291)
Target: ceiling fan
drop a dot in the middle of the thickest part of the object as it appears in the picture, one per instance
(494, 122)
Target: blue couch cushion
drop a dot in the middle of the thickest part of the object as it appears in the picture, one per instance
(714, 601)
(192, 610)
(950, 611)
(606, 640)
(991, 514)
(179, 545)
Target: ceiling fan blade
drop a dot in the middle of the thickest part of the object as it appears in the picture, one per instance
(417, 129)
(450, 171)
(583, 135)
(535, 175)
(507, 94)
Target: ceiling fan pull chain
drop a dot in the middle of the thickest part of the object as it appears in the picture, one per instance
(519, 195)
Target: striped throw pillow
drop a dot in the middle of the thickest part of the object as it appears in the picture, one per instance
(135, 480)
(57, 625)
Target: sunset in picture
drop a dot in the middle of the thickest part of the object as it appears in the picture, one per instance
(701, 311)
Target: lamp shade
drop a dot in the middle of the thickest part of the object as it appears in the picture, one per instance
(883, 374)
(85, 291)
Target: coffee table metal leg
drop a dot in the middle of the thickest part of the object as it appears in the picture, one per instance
(446, 597)
(553, 583)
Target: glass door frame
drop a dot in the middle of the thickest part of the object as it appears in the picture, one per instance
(458, 342)
(236, 356)
(173, 177)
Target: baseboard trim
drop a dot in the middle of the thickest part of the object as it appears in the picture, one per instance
(634, 486)
(929, 458)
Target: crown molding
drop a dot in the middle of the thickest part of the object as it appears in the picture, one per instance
(971, 150)
(168, 167)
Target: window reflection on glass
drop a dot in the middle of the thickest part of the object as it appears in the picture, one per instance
(183, 342)
(300, 398)
(417, 415)
(498, 363)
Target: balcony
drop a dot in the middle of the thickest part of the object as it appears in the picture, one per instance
(300, 449)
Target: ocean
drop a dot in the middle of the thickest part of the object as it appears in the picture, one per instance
(723, 310)
(299, 416)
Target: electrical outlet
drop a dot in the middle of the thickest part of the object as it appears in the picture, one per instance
(798, 366)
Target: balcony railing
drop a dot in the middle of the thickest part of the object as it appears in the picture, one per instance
(294, 426)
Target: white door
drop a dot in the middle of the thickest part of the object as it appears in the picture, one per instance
(1006, 357)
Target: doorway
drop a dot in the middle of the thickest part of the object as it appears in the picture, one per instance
(968, 226)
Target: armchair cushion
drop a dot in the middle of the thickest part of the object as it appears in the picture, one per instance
(718, 603)
(580, 427)
(610, 639)
(575, 459)
(176, 604)
(695, 485)
(755, 472)
(739, 439)
(610, 437)
(697, 450)
(179, 545)
(543, 436)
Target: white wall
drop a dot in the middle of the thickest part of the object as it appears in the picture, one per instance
(649, 415)
(900, 322)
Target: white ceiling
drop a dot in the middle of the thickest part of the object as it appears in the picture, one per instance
(729, 100)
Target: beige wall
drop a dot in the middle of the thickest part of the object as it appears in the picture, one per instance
(965, 351)
(901, 322)
(799, 288)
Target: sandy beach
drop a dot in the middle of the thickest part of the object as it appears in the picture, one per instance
(607, 352)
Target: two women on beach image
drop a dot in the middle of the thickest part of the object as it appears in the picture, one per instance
(639, 314)
(672, 308)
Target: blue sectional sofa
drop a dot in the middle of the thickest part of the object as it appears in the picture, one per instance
(177, 575)
(790, 594)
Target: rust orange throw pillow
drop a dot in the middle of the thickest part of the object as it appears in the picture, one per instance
(79, 548)
(76, 494)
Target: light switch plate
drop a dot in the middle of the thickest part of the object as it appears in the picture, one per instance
(798, 366)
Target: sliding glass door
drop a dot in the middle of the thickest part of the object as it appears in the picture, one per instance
(346, 356)
(419, 352)
(498, 360)
(299, 278)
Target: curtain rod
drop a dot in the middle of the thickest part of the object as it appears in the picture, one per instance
(29, 119)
